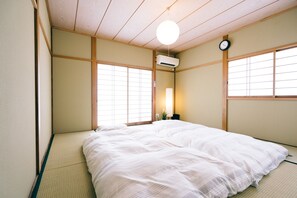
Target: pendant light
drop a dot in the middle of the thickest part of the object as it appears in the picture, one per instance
(167, 32)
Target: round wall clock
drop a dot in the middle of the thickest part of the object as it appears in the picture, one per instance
(224, 45)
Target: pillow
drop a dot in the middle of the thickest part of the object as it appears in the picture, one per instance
(168, 123)
(109, 127)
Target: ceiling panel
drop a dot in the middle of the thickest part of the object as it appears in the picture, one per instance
(205, 20)
(63, 13)
(220, 20)
(236, 24)
(209, 11)
(148, 12)
(198, 18)
(90, 14)
(177, 12)
(112, 24)
(135, 21)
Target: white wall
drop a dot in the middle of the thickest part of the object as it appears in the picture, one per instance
(17, 105)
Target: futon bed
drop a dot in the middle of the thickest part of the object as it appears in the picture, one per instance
(173, 158)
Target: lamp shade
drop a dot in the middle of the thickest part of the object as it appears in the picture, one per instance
(169, 102)
(167, 32)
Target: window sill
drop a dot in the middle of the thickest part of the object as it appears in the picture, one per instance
(262, 98)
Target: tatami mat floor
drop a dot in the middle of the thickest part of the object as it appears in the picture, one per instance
(292, 154)
(280, 183)
(66, 173)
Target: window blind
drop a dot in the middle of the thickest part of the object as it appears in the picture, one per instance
(286, 72)
(252, 76)
(140, 95)
(124, 95)
(111, 94)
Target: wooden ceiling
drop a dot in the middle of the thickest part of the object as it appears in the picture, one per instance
(135, 21)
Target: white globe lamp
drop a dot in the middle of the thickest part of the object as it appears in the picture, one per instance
(167, 32)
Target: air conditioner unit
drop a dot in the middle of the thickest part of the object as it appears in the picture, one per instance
(167, 61)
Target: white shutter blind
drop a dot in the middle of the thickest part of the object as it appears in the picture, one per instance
(111, 94)
(252, 76)
(286, 72)
(124, 95)
(140, 95)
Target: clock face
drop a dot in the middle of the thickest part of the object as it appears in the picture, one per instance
(224, 45)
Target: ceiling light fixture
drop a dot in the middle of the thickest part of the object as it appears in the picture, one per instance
(167, 32)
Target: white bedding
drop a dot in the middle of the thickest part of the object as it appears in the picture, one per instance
(257, 158)
(136, 163)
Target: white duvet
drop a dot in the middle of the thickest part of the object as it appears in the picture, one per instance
(135, 163)
(257, 158)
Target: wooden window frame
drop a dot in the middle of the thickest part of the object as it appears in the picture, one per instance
(273, 96)
(131, 67)
(94, 85)
(226, 98)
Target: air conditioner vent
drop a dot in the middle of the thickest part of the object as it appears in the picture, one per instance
(167, 61)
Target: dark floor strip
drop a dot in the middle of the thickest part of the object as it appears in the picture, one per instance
(35, 190)
(291, 162)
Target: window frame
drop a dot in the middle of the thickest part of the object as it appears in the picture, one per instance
(270, 97)
(94, 88)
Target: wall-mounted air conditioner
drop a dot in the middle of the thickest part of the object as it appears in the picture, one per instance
(167, 61)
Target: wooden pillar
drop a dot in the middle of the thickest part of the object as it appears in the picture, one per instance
(94, 82)
(154, 87)
(225, 89)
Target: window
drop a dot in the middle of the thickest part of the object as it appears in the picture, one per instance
(269, 74)
(124, 95)
(140, 95)
(251, 76)
(111, 94)
(286, 72)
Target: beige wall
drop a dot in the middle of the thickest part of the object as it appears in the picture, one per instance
(71, 82)
(44, 17)
(270, 120)
(72, 95)
(199, 95)
(163, 80)
(205, 53)
(115, 52)
(44, 81)
(17, 105)
(199, 90)
(272, 32)
(71, 44)
(72, 78)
